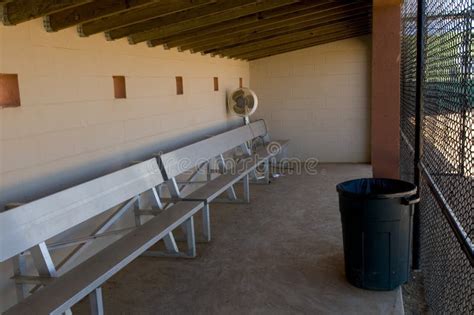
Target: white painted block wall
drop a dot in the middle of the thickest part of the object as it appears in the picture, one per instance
(69, 119)
(70, 128)
(319, 98)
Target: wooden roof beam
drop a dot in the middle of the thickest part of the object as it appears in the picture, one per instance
(90, 11)
(266, 19)
(278, 40)
(158, 21)
(305, 44)
(294, 45)
(19, 11)
(137, 15)
(220, 17)
(298, 25)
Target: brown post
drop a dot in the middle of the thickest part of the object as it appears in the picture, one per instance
(385, 134)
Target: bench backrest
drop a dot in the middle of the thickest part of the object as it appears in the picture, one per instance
(26, 226)
(188, 157)
(258, 128)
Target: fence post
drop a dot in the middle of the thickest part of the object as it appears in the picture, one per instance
(420, 64)
(466, 70)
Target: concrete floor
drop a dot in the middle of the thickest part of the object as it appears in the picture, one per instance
(281, 254)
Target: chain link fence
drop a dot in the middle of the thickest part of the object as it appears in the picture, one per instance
(447, 156)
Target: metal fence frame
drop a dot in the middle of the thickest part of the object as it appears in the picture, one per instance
(437, 145)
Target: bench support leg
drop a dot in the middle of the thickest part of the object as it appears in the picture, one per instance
(246, 183)
(231, 193)
(138, 205)
(190, 237)
(206, 223)
(222, 168)
(43, 261)
(267, 171)
(19, 267)
(44, 264)
(262, 179)
(208, 172)
(170, 243)
(175, 193)
(95, 300)
(172, 248)
(138, 219)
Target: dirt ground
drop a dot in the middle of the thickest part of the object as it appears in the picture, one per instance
(280, 254)
(413, 292)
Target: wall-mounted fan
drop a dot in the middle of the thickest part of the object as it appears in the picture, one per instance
(243, 102)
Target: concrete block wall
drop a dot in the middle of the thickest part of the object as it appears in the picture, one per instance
(319, 98)
(70, 128)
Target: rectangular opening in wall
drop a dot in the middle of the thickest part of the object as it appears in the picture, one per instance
(216, 84)
(120, 90)
(179, 86)
(9, 90)
(241, 83)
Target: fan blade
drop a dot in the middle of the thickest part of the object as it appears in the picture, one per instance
(249, 101)
(237, 94)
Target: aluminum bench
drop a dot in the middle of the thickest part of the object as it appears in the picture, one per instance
(197, 155)
(27, 228)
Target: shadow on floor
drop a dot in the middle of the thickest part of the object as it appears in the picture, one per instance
(280, 254)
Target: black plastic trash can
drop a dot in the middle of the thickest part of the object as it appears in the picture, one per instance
(376, 216)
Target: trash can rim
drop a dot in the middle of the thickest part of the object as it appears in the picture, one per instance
(412, 189)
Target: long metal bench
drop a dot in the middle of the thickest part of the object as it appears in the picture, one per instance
(124, 190)
(199, 154)
(26, 229)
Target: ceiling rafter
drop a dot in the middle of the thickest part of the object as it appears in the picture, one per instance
(242, 29)
(138, 15)
(305, 44)
(176, 18)
(273, 31)
(277, 40)
(252, 22)
(90, 11)
(19, 11)
(216, 18)
(288, 44)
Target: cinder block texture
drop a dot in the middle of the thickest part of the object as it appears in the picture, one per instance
(69, 109)
(318, 97)
(70, 127)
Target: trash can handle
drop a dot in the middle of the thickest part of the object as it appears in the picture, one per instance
(411, 200)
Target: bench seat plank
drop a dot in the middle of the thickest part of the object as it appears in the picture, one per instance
(217, 186)
(214, 188)
(74, 285)
(271, 149)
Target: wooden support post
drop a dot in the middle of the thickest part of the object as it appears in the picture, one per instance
(385, 134)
